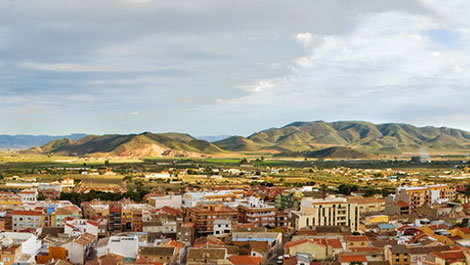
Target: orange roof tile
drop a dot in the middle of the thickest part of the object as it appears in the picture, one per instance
(245, 260)
(334, 243)
(402, 204)
(19, 212)
(450, 255)
(351, 258)
(356, 238)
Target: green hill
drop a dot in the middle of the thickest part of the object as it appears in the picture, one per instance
(145, 144)
(357, 137)
(362, 136)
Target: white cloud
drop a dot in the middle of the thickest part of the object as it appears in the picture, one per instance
(258, 86)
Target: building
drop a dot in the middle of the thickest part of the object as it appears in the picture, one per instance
(186, 233)
(426, 195)
(206, 255)
(273, 239)
(368, 204)
(289, 199)
(329, 211)
(124, 245)
(22, 220)
(222, 227)
(229, 198)
(204, 215)
(256, 211)
(9, 200)
(29, 195)
(78, 227)
(163, 254)
(173, 201)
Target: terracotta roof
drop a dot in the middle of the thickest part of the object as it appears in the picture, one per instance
(19, 212)
(245, 260)
(109, 259)
(260, 246)
(351, 258)
(303, 241)
(206, 253)
(208, 241)
(465, 230)
(94, 223)
(402, 204)
(176, 244)
(365, 249)
(356, 238)
(427, 249)
(450, 255)
(334, 243)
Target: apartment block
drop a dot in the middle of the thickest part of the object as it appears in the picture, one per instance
(329, 211)
(22, 220)
(254, 210)
(204, 215)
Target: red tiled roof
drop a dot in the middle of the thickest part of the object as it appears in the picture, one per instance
(450, 255)
(93, 223)
(402, 204)
(303, 241)
(334, 243)
(365, 249)
(19, 212)
(351, 258)
(356, 238)
(171, 211)
(176, 244)
(245, 260)
(464, 230)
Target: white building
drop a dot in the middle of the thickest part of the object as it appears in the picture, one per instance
(29, 245)
(126, 246)
(77, 227)
(222, 227)
(28, 195)
(173, 201)
(162, 175)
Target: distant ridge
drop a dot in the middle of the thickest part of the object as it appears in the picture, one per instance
(131, 145)
(353, 139)
(363, 136)
(22, 141)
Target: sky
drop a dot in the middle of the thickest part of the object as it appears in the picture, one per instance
(211, 67)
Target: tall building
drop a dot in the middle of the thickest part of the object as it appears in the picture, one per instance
(254, 210)
(426, 195)
(204, 215)
(330, 211)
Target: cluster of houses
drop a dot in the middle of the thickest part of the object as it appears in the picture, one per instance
(255, 225)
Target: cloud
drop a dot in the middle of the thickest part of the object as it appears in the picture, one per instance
(258, 86)
(234, 66)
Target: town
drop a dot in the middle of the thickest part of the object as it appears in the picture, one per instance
(241, 214)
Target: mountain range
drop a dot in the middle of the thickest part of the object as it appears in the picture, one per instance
(360, 137)
(22, 141)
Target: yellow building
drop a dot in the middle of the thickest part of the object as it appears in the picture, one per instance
(9, 200)
(316, 248)
(330, 211)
